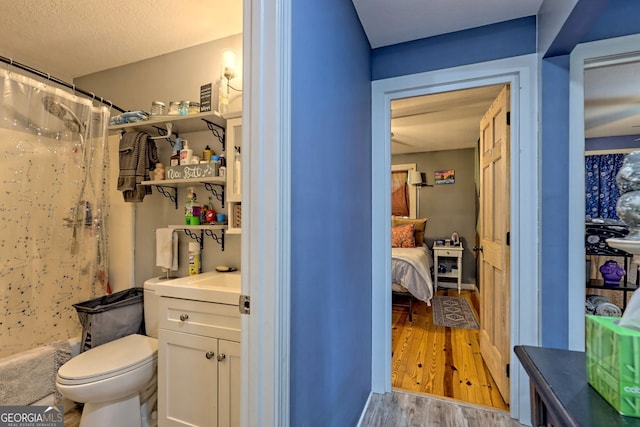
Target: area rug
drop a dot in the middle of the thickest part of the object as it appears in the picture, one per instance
(453, 312)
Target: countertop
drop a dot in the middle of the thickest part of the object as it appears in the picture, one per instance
(222, 288)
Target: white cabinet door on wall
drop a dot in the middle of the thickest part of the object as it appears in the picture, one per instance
(229, 383)
(187, 380)
(234, 173)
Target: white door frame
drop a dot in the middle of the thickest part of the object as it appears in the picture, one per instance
(618, 50)
(266, 212)
(521, 73)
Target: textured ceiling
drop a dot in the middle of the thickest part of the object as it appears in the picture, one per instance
(71, 38)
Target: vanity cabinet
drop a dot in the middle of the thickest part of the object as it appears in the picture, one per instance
(198, 363)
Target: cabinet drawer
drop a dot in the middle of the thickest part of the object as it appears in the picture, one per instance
(448, 253)
(202, 318)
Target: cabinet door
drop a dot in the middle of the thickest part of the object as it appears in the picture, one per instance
(229, 384)
(233, 151)
(187, 379)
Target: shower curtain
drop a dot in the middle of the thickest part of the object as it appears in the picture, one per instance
(53, 210)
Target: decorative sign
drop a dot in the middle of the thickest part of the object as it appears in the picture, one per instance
(445, 177)
(205, 98)
(201, 170)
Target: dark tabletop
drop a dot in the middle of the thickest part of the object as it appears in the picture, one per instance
(560, 377)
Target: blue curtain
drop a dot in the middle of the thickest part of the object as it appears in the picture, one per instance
(600, 184)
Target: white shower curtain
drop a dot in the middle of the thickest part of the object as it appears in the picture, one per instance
(53, 210)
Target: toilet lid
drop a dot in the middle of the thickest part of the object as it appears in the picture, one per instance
(110, 359)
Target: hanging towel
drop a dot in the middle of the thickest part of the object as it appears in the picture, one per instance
(167, 248)
(138, 155)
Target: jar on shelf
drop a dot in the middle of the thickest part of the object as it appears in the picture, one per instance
(194, 107)
(174, 108)
(183, 109)
(158, 108)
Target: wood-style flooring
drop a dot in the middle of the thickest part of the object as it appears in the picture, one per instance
(404, 409)
(440, 361)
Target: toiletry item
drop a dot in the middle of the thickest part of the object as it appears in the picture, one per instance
(183, 108)
(195, 160)
(186, 153)
(207, 153)
(174, 108)
(195, 266)
(191, 209)
(210, 215)
(221, 217)
(194, 107)
(222, 171)
(175, 153)
(159, 172)
(158, 108)
(237, 173)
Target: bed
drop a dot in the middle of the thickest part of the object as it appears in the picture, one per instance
(411, 272)
(410, 261)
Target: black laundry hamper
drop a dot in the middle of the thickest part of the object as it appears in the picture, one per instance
(110, 317)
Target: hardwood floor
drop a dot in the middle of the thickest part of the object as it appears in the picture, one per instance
(440, 361)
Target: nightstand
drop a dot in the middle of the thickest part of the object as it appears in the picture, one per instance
(448, 253)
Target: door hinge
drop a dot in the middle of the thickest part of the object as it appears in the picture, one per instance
(508, 370)
(508, 118)
(244, 305)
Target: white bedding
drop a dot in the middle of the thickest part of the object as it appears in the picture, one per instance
(411, 269)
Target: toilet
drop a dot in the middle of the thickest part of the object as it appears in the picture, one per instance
(117, 381)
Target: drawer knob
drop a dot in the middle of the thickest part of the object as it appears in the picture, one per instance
(184, 317)
(210, 354)
(221, 357)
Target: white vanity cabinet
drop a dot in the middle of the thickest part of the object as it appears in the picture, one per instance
(198, 363)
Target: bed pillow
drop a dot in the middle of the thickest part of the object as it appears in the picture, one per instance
(420, 225)
(402, 236)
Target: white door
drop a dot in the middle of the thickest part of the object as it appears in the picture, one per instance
(494, 257)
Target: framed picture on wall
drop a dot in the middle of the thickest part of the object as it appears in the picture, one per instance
(445, 177)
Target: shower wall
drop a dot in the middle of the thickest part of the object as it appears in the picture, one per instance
(49, 250)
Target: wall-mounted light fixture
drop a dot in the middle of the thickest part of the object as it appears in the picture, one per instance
(228, 73)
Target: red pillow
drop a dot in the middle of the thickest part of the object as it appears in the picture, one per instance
(402, 236)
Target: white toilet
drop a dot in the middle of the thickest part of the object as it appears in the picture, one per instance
(117, 381)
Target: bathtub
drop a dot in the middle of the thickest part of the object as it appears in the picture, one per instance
(17, 359)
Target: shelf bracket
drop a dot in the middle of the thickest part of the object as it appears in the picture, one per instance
(195, 236)
(214, 236)
(210, 188)
(169, 192)
(217, 131)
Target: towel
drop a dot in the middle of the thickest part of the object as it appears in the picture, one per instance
(138, 155)
(31, 375)
(167, 248)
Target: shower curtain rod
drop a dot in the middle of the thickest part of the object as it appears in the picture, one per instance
(49, 77)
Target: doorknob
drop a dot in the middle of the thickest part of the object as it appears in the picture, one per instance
(477, 248)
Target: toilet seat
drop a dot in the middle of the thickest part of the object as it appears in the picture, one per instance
(109, 360)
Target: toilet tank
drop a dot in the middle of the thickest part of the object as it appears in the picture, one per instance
(151, 315)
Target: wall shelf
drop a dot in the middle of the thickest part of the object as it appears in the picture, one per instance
(205, 230)
(169, 187)
(212, 121)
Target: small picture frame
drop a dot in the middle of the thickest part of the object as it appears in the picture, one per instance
(447, 176)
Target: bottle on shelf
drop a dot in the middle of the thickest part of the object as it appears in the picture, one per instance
(186, 153)
(207, 153)
(192, 209)
(175, 154)
(237, 172)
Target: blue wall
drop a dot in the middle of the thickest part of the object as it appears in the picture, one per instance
(331, 215)
(554, 217)
(503, 40)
